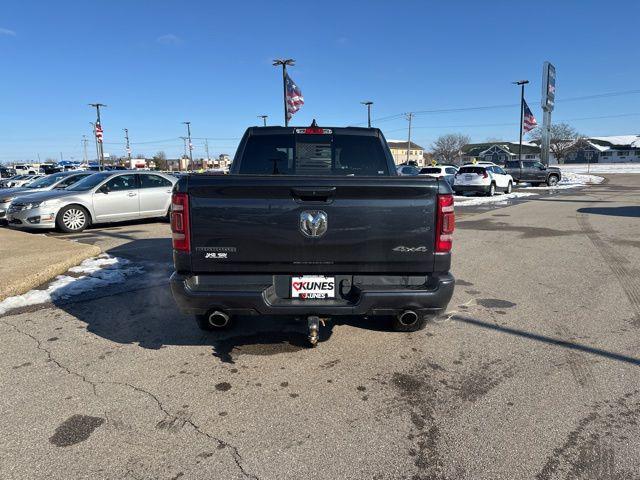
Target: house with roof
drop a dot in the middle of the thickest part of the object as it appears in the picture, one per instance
(399, 152)
(499, 152)
(611, 149)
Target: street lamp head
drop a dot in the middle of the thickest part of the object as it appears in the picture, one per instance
(284, 61)
(521, 82)
(186, 123)
(367, 102)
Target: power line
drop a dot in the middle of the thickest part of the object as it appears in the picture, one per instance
(513, 123)
(509, 105)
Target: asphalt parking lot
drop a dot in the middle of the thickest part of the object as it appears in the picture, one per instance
(534, 372)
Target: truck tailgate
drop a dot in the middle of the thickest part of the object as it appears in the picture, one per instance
(242, 223)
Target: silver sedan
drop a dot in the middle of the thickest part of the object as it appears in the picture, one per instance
(55, 181)
(99, 198)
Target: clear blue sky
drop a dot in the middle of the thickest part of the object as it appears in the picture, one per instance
(157, 63)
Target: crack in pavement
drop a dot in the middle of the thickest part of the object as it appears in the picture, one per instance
(235, 453)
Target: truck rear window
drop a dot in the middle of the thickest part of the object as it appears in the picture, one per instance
(314, 155)
(478, 170)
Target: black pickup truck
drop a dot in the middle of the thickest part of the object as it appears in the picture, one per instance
(312, 223)
(533, 172)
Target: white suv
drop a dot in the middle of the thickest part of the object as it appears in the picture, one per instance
(482, 178)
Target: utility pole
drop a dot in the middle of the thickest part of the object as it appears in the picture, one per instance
(284, 62)
(264, 119)
(184, 154)
(85, 157)
(206, 149)
(188, 124)
(128, 147)
(522, 83)
(97, 129)
(409, 117)
(368, 104)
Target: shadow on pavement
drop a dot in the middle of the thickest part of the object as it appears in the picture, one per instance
(549, 340)
(630, 211)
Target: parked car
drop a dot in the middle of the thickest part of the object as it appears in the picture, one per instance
(98, 198)
(479, 178)
(7, 172)
(408, 170)
(56, 181)
(447, 172)
(19, 180)
(312, 222)
(533, 172)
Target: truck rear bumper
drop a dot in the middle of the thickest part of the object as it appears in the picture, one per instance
(246, 295)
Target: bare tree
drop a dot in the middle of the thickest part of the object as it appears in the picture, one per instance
(160, 159)
(448, 148)
(564, 139)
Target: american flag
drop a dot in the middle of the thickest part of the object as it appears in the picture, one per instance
(529, 122)
(99, 133)
(294, 97)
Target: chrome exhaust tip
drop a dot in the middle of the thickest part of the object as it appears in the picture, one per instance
(408, 318)
(218, 319)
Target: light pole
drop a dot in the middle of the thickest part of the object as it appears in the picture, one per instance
(98, 129)
(85, 157)
(368, 104)
(264, 119)
(126, 137)
(284, 62)
(522, 83)
(188, 124)
(409, 117)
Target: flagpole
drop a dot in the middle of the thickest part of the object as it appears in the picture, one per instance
(284, 63)
(522, 83)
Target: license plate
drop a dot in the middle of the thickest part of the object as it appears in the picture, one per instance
(468, 177)
(313, 287)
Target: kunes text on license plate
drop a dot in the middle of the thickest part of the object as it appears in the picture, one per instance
(308, 287)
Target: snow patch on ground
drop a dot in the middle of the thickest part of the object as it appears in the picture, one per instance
(462, 201)
(96, 272)
(602, 168)
(571, 180)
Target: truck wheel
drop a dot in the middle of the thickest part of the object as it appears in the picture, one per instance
(72, 219)
(492, 190)
(552, 181)
(400, 326)
(509, 188)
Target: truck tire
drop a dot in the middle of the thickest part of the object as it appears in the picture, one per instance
(397, 326)
(72, 219)
(553, 180)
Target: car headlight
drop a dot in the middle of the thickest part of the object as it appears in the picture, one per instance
(45, 203)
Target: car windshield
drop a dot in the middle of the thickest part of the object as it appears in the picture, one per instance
(348, 155)
(45, 182)
(430, 170)
(87, 183)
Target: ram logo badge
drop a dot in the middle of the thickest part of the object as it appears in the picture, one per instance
(313, 223)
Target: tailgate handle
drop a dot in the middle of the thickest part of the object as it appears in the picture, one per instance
(313, 194)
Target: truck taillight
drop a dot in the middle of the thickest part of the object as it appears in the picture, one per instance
(445, 223)
(180, 222)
